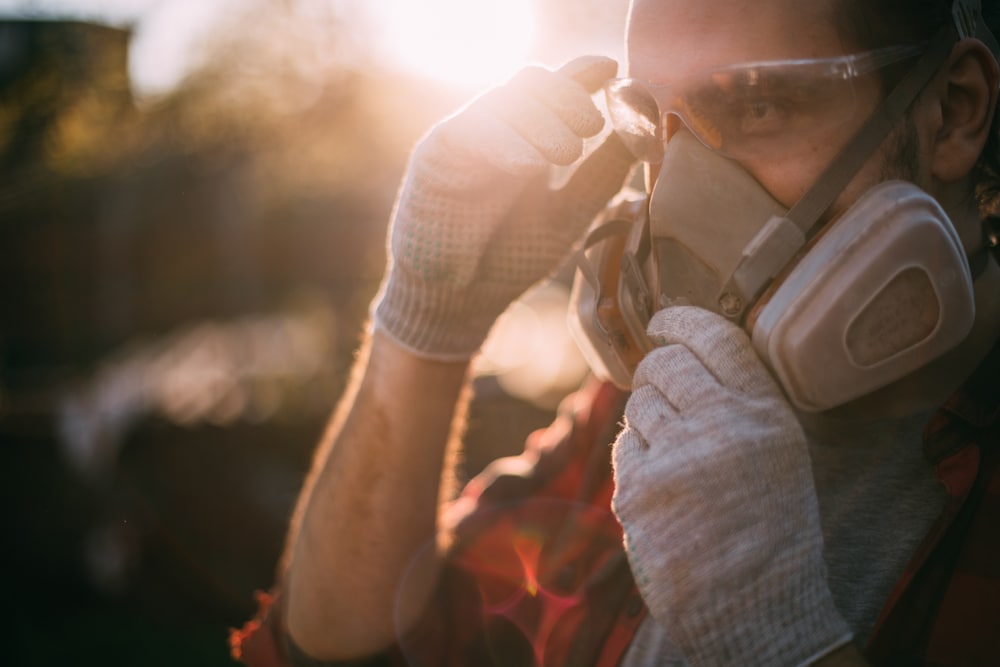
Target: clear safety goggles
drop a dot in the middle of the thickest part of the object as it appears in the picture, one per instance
(751, 109)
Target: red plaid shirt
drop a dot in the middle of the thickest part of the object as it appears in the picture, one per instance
(537, 574)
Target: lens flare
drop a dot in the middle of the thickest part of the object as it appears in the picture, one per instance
(533, 584)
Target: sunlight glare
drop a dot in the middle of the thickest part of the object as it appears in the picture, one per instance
(462, 42)
(531, 351)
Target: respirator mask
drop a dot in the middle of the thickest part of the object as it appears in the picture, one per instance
(835, 308)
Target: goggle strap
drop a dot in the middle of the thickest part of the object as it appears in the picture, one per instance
(968, 18)
(808, 210)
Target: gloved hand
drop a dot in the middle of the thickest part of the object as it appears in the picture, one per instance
(476, 222)
(715, 493)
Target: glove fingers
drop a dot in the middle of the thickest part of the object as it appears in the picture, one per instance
(591, 72)
(650, 414)
(627, 447)
(490, 137)
(550, 112)
(541, 127)
(679, 376)
(570, 101)
(721, 346)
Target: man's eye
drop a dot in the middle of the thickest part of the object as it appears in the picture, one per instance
(760, 116)
(759, 110)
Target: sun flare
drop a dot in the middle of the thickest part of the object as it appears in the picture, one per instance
(462, 42)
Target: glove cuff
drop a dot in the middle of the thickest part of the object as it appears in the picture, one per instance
(435, 322)
(780, 620)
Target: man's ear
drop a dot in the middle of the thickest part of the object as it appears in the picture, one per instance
(967, 96)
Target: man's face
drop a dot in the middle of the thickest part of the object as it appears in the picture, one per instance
(672, 40)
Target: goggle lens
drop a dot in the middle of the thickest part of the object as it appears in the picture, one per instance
(757, 109)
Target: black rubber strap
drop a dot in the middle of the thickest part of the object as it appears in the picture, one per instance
(808, 211)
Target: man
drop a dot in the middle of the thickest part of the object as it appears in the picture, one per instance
(756, 532)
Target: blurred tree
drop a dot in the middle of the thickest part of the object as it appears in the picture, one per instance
(63, 91)
(270, 169)
(125, 233)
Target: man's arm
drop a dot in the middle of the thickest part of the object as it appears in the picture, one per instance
(475, 225)
(371, 502)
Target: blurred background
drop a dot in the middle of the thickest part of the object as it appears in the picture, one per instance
(193, 203)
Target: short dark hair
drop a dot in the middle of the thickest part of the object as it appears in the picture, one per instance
(869, 24)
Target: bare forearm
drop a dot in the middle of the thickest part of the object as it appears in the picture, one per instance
(371, 503)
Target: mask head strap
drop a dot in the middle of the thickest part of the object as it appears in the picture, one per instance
(783, 236)
(967, 21)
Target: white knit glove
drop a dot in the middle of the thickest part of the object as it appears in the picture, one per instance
(715, 493)
(476, 222)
